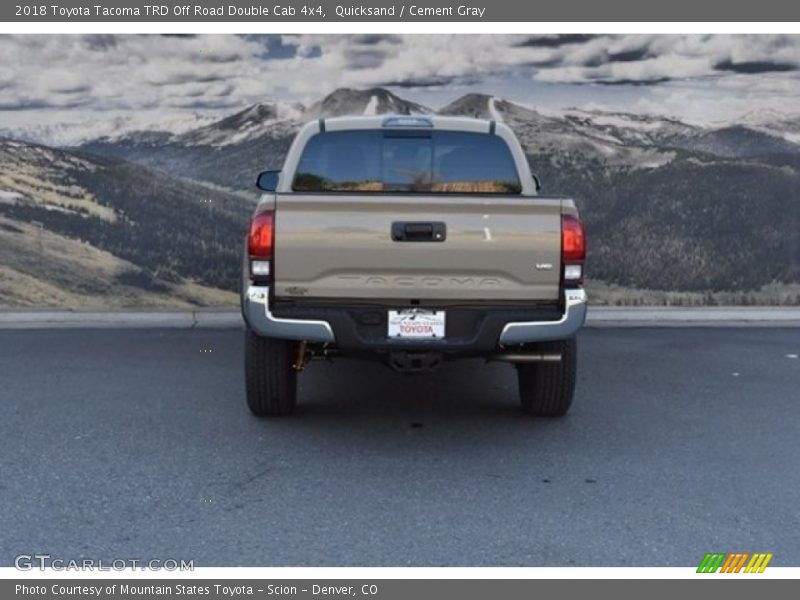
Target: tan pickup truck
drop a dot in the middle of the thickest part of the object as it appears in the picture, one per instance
(411, 240)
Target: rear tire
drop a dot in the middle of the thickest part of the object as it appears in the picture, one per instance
(546, 389)
(270, 378)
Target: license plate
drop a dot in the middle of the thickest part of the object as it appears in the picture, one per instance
(416, 323)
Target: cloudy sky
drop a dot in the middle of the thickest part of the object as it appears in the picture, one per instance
(69, 78)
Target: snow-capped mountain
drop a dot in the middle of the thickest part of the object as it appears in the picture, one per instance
(253, 122)
(618, 136)
(268, 119)
(780, 124)
(629, 128)
(604, 137)
(75, 132)
(374, 101)
(258, 136)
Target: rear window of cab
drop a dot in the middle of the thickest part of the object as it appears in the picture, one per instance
(410, 161)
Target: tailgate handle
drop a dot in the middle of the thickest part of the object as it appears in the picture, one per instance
(416, 231)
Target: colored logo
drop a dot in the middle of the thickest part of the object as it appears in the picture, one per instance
(735, 562)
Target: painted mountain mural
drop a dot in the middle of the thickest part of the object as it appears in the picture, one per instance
(676, 213)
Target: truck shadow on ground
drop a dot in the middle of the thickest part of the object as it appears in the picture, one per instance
(460, 388)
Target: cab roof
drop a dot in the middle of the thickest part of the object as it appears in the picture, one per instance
(391, 121)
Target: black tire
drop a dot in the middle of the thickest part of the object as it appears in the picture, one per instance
(546, 389)
(270, 378)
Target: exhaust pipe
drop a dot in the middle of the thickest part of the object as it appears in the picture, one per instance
(525, 357)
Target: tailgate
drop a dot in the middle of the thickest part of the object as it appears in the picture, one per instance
(500, 248)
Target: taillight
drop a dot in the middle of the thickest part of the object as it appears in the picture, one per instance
(573, 248)
(260, 244)
(259, 241)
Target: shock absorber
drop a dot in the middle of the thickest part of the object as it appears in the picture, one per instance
(302, 357)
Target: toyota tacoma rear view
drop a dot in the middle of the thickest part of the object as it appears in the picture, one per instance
(411, 241)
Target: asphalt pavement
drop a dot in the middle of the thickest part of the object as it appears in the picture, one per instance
(138, 444)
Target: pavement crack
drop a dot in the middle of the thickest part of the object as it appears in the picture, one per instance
(247, 481)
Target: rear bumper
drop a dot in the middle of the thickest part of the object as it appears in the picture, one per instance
(259, 317)
(480, 331)
(544, 331)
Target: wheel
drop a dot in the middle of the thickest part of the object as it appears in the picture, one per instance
(270, 378)
(546, 389)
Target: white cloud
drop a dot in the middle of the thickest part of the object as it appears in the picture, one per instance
(221, 72)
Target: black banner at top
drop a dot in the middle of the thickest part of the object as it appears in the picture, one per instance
(415, 11)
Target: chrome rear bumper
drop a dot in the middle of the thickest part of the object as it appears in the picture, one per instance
(544, 331)
(257, 314)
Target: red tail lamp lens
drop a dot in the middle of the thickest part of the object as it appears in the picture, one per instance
(259, 241)
(573, 239)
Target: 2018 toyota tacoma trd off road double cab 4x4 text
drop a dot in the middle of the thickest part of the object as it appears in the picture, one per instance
(411, 240)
